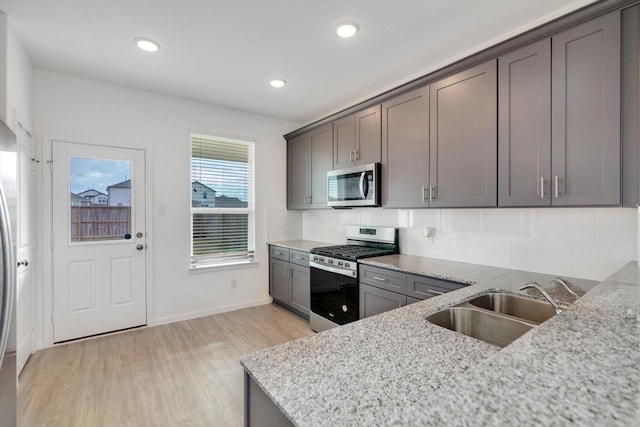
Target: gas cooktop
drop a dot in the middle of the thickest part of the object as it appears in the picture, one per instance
(352, 252)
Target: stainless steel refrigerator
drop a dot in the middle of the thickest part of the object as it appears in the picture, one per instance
(8, 213)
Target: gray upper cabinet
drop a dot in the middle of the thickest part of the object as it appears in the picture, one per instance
(309, 158)
(585, 164)
(356, 138)
(524, 126)
(405, 150)
(298, 167)
(463, 142)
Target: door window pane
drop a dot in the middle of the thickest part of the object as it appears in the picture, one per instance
(100, 199)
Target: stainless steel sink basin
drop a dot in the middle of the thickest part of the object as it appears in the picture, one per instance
(513, 305)
(483, 325)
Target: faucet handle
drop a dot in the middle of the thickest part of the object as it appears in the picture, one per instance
(544, 293)
(564, 284)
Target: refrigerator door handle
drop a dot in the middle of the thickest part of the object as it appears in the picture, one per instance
(8, 278)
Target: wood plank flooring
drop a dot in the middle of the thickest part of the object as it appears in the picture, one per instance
(180, 374)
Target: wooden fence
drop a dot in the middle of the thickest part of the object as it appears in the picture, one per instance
(100, 222)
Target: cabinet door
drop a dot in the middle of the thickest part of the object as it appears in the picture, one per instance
(279, 280)
(300, 288)
(586, 113)
(524, 126)
(463, 128)
(344, 141)
(375, 301)
(405, 150)
(368, 134)
(321, 145)
(298, 167)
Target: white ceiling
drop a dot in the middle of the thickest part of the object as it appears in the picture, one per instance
(225, 52)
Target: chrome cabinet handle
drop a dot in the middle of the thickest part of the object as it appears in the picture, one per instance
(381, 279)
(424, 193)
(555, 186)
(542, 187)
(351, 156)
(432, 193)
(356, 154)
(297, 257)
(434, 292)
(277, 253)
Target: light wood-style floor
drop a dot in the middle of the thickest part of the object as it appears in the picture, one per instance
(181, 374)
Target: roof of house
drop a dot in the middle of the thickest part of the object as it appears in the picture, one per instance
(229, 202)
(123, 184)
(91, 193)
(202, 185)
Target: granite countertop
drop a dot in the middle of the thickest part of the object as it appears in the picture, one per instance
(582, 366)
(301, 245)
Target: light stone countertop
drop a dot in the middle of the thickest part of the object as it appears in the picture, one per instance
(582, 366)
(301, 245)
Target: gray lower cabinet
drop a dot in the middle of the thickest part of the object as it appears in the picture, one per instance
(631, 106)
(356, 138)
(524, 126)
(309, 158)
(405, 150)
(375, 300)
(289, 281)
(463, 138)
(259, 409)
(382, 289)
(585, 95)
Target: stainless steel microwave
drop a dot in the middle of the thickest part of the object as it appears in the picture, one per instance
(354, 187)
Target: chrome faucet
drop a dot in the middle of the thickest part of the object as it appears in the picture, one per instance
(544, 293)
(565, 285)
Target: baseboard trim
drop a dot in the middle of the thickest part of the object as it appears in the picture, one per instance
(208, 312)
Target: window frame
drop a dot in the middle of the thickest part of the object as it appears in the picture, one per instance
(198, 262)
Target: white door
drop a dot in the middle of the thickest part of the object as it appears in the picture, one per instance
(99, 240)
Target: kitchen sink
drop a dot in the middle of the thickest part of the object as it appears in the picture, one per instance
(481, 324)
(513, 305)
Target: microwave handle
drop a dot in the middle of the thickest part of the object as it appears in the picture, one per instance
(364, 185)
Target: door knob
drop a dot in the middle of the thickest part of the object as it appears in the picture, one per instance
(139, 246)
(24, 262)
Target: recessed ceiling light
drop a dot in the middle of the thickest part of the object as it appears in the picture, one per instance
(347, 29)
(278, 83)
(147, 44)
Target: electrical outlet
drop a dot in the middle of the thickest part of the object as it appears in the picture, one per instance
(234, 283)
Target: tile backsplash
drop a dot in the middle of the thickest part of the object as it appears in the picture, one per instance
(590, 243)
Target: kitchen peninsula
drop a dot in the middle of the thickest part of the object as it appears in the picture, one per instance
(581, 366)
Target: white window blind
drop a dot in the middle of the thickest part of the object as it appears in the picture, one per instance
(222, 201)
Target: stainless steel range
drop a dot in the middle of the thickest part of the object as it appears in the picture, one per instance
(334, 274)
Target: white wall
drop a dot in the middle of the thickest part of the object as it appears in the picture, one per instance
(590, 243)
(73, 109)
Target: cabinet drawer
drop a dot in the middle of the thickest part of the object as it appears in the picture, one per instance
(299, 257)
(279, 252)
(427, 287)
(382, 278)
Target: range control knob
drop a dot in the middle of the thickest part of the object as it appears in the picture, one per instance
(330, 261)
(340, 263)
(346, 264)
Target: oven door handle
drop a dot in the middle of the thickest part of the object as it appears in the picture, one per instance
(337, 270)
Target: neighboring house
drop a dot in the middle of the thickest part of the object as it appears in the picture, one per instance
(96, 197)
(202, 196)
(77, 200)
(120, 194)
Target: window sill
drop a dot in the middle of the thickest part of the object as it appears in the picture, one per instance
(231, 265)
